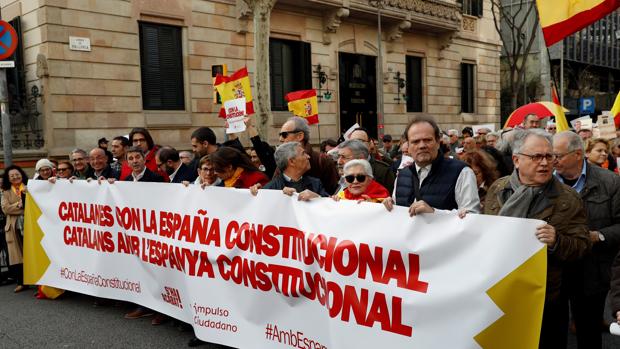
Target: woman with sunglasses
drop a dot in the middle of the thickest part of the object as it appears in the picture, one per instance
(235, 169)
(14, 182)
(360, 183)
(64, 170)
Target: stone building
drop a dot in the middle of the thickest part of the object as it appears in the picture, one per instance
(101, 67)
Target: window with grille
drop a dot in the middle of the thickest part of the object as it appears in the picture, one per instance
(161, 63)
(290, 69)
(468, 93)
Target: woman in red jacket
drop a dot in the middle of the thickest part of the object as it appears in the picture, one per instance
(235, 169)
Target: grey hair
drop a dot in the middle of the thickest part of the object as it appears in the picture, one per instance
(453, 132)
(574, 141)
(359, 162)
(493, 134)
(78, 151)
(284, 153)
(359, 149)
(506, 139)
(301, 124)
(520, 138)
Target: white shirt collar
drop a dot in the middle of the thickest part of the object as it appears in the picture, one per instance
(139, 176)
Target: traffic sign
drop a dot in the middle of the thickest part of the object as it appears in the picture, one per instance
(586, 105)
(8, 40)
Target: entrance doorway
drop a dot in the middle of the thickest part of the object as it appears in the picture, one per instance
(358, 92)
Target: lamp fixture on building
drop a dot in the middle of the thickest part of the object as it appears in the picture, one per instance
(322, 80)
(400, 84)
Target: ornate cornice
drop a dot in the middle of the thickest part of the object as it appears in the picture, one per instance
(438, 9)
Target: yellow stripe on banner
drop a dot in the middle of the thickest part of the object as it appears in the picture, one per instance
(36, 260)
(556, 11)
(521, 296)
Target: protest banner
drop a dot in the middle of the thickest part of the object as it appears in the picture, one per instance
(272, 272)
(235, 113)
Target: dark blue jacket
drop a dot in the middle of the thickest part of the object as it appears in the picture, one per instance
(185, 173)
(306, 183)
(437, 190)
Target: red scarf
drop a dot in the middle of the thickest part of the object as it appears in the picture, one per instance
(374, 191)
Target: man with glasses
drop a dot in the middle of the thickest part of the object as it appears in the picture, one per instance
(82, 170)
(169, 161)
(588, 279)
(296, 129)
(432, 181)
(99, 164)
(533, 192)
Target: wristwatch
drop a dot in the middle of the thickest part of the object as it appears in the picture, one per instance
(601, 237)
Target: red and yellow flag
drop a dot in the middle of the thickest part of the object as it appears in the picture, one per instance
(560, 117)
(615, 111)
(304, 104)
(234, 87)
(561, 18)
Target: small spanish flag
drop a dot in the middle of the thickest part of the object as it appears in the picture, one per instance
(560, 117)
(615, 111)
(234, 87)
(304, 104)
(561, 18)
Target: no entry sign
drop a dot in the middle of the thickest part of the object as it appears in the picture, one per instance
(8, 40)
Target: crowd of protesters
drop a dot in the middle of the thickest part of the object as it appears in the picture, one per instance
(568, 179)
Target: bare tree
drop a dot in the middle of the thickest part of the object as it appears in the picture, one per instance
(511, 23)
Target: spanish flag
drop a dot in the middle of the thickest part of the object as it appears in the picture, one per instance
(561, 18)
(234, 87)
(560, 117)
(304, 104)
(615, 111)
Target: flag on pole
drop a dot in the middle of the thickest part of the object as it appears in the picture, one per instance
(234, 87)
(304, 104)
(615, 111)
(560, 118)
(561, 18)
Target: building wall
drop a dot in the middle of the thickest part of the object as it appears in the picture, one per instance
(88, 95)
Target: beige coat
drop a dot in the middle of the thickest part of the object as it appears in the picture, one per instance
(13, 238)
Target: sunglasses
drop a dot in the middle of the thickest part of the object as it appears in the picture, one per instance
(351, 178)
(63, 169)
(285, 134)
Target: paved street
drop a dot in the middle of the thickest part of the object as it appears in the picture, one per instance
(73, 322)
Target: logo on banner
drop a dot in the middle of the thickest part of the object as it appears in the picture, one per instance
(172, 296)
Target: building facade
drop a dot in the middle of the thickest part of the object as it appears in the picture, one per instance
(98, 68)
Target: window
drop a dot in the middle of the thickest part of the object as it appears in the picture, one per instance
(468, 92)
(414, 84)
(290, 70)
(472, 7)
(161, 62)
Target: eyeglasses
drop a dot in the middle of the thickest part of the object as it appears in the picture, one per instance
(540, 157)
(351, 178)
(561, 156)
(340, 156)
(63, 169)
(78, 159)
(207, 169)
(284, 134)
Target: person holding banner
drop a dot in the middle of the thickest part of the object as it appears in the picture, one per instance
(169, 161)
(533, 192)
(293, 163)
(433, 181)
(14, 181)
(235, 169)
(296, 129)
(361, 186)
(141, 137)
(206, 174)
(139, 172)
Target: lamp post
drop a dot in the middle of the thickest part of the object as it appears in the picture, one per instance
(379, 4)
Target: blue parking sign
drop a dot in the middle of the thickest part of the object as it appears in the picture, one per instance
(586, 105)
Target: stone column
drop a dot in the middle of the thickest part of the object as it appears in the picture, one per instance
(261, 10)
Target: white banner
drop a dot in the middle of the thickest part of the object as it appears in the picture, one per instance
(271, 271)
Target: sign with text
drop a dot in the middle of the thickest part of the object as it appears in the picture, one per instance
(79, 44)
(235, 113)
(268, 271)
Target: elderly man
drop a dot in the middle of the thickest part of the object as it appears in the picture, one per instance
(296, 129)
(533, 192)
(361, 134)
(169, 161)
(551, 127)
(120, 145)
(355, 149)
(531, 121)
(294, 163)
(454, 141)
(589, 278)
(79, 158)
(469, 145)
(492, 139)
(137, 163)
(433, 181)
(99, 164)
(483, 131)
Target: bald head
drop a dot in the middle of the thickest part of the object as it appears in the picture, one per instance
(98, 159)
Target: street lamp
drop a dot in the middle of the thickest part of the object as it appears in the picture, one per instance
(379, 4)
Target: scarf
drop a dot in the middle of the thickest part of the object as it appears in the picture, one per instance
(525, 200)
(230, 182)
(375, 191)
(18, 189)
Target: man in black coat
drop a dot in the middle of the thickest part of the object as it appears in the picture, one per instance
(168, 160)
(294, 163)
(100, 167)
(614, 295)
(139, 172)
(588, 279)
